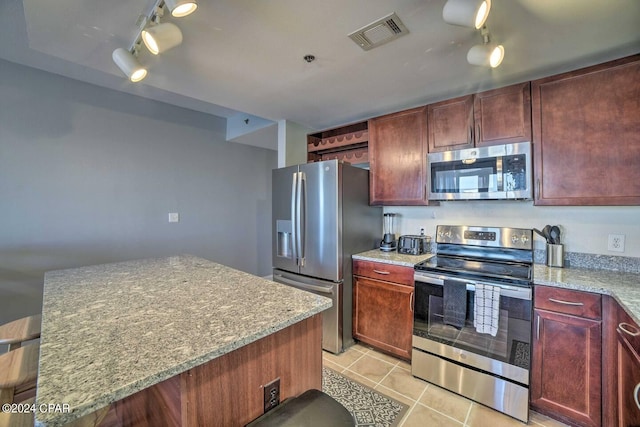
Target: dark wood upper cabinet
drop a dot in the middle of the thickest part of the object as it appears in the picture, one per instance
(450, 124)
(503, 116)
(494, 117)
(398, 158)
(586, 135)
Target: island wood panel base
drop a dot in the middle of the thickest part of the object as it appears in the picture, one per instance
(228, 391)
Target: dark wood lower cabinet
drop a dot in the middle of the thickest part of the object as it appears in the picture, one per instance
(566, 367)
(383, 315)
(626, 382)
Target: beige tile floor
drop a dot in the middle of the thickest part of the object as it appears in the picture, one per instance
(428, 404)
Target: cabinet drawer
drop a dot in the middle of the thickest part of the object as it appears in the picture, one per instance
(381, 271)
(577, 303)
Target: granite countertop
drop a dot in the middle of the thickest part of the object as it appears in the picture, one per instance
(623, 287)
(393, 257)
(111, 330)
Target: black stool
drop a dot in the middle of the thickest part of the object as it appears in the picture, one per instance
(312, 408)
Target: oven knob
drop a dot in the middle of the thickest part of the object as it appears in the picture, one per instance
(514, 239)
(524, 239)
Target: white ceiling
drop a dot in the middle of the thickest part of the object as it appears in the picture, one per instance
(247, 55)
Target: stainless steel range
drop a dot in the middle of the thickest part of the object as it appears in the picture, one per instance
(472, 317)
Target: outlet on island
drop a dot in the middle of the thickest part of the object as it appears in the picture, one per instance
(271, 395)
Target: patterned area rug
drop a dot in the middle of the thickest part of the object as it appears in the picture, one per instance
(520, 354)
(368, 407)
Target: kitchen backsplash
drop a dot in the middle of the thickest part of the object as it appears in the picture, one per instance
(600, 262)
(584, 229)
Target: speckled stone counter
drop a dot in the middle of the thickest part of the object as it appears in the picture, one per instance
(624, 287)
(111, 330)
(391, 257)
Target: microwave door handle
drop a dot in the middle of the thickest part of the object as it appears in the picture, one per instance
(499, 177)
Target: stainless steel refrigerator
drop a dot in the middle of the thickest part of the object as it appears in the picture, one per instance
(321, 216)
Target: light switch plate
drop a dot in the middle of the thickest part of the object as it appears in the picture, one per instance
(174, 217)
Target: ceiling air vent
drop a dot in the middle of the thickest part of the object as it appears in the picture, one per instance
(379, 32)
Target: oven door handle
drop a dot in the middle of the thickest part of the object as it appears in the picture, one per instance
(505, 290)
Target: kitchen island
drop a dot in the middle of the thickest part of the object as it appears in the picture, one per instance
(177, 341)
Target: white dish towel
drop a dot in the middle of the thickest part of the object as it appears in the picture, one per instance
(487, 309)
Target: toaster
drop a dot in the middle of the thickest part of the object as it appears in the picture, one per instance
(414, 245)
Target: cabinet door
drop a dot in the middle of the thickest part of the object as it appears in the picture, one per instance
(383, 315)
(503, 115)
(398, 158)
(450, 124)
(566, 367)
(399, 274)
(586, 135)
(628, 363)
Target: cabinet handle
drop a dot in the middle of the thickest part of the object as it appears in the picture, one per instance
(470, 136)
(538, 329)
(478, 133)
(565, 302)
(381, 272)
(538, 189)
(629, 329)
(411, 302)
(636, 391)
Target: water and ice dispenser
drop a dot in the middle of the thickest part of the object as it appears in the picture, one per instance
(284, 239)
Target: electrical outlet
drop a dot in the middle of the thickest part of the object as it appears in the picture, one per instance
(271, 395)
(616, 243)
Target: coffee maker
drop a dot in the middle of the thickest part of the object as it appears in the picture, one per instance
(389, 242)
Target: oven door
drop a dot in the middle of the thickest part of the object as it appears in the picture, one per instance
(506, 354)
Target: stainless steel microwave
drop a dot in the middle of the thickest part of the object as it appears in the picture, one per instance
(495, 172)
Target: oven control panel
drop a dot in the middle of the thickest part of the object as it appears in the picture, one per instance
(480, 235)
(498, 237)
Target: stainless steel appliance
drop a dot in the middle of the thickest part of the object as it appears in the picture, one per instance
(472, 316)
(493, 172)
(321, 216)
(414, 245)
(389, 243)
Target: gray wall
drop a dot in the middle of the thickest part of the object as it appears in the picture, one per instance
(88, 175)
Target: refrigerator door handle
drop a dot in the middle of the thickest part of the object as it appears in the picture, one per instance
(294, 204)
(302, 215)
(303, 286)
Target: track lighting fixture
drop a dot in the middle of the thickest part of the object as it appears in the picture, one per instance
(487, 54)
(468, 13)
(157, 37)
(180, 8)
(161, 37)
(129, 64)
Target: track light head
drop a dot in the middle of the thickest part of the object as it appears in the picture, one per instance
(467, 13)
(486, 55)
(161, 37)
(129, 65)
(180, 8)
